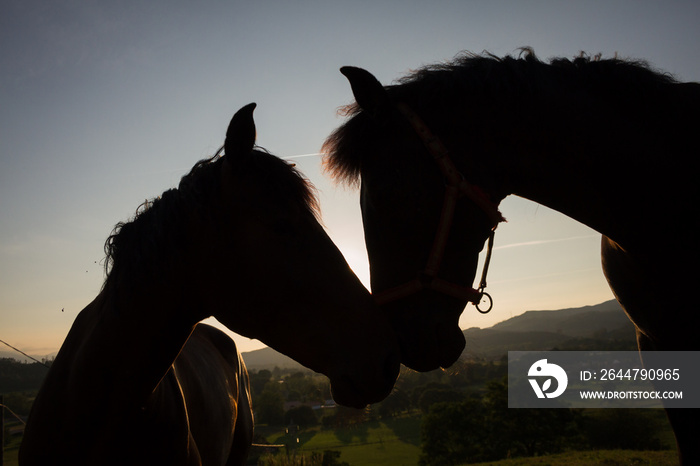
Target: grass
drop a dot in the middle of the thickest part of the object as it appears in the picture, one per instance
(397, 442)
(390, 442)
(595, 458)
(11, 451)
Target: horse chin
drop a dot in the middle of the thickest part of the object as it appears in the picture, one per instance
(445, 352)
(347, 391)
(347, 394)
(429, 336)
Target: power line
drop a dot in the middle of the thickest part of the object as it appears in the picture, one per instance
(25, 354)
(13, 413)
(315, 154)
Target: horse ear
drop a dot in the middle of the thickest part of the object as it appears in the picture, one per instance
(240, 135)
(368, 91)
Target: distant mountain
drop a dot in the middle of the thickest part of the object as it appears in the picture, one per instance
(268, 358)
(604, 326)
(580, 321)
(13, 355)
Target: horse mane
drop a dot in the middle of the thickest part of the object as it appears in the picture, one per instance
(148, 240)
(472, 79)
(153, 230)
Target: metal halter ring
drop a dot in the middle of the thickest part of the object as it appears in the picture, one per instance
(487, 310)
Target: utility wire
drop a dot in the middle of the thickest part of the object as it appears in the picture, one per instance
(13, 413)
(25, 354)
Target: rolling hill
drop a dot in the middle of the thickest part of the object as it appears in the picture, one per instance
(268, 358)
(604, 326)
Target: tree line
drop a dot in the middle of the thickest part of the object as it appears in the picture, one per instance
(464, 412)
(18, 376)
(414, 392)
(464, 415)
(483, 428)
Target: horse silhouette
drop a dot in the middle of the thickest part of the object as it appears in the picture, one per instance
(608, 142)
(139, 381)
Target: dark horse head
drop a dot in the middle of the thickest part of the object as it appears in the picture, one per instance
(591, 138)
(416, 205)
(260, 262)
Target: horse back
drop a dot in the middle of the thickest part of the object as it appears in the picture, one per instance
(654, 289)
(215, 388)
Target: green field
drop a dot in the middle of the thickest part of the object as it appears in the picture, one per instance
(386, 442)
(11, 450)
(397, 442)
(595, 458)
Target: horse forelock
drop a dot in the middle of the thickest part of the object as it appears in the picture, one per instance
(341, 151)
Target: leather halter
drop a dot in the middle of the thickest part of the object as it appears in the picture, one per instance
(456, 187)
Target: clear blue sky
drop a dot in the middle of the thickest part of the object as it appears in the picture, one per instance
(105, 104)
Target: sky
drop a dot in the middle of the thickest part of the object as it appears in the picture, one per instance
(105, 104)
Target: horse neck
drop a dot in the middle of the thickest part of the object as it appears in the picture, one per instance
(118, 350)
(613, 169)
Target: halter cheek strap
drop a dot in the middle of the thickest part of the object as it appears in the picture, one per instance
(453, 178)
(456, 187)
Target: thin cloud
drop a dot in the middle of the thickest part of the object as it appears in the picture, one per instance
(543, 276)
(547, 241)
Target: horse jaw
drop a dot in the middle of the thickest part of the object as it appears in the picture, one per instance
(347, 390)
(428, 331)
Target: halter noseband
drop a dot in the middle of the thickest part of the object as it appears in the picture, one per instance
(455, 187)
